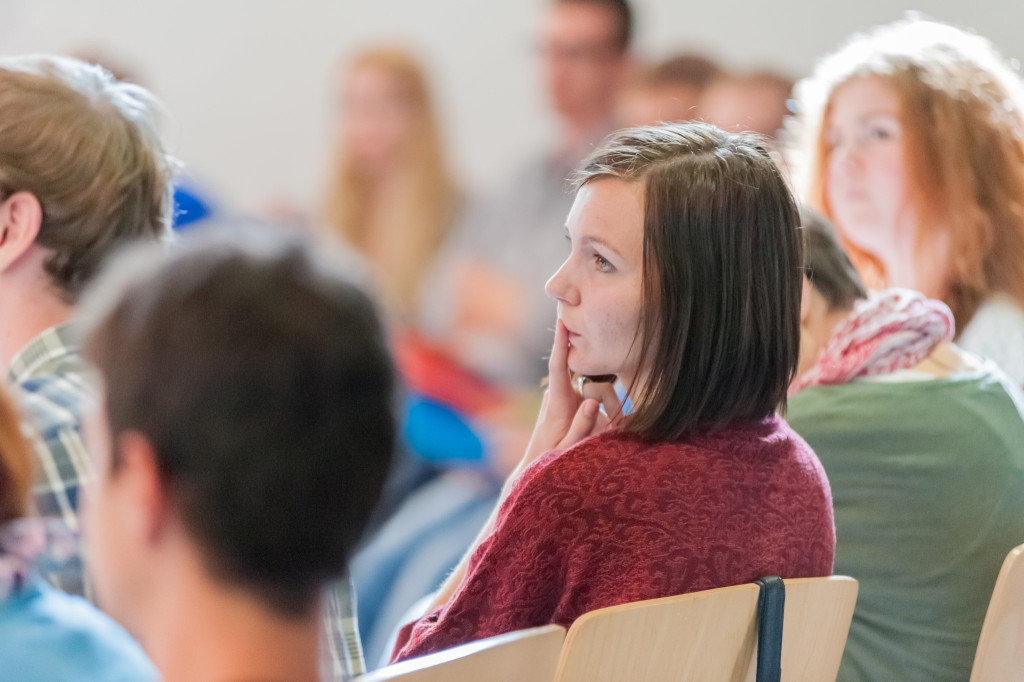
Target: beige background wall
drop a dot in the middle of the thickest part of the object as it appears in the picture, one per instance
(248, 82)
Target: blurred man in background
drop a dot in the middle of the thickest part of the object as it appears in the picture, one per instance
(490, 311)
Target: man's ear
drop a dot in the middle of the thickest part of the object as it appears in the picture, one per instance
(143, 487)
(21, 216)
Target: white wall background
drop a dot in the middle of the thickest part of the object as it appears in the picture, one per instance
(249, 82)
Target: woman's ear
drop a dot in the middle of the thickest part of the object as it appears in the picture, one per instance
(21, 217)
(805, 302)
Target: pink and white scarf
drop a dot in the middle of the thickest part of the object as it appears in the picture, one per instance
(891, 330)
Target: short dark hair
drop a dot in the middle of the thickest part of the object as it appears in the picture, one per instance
(827, 265)
(261, 376)
(623, 14)
(720, 304)
(692, 70)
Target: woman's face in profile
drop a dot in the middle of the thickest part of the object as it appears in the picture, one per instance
(598, 287)
(867, 175)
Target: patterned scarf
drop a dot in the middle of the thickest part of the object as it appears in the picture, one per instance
(891, 330)
(30, 547)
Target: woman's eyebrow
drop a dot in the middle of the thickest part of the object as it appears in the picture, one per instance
(590, 239)
(878, 113)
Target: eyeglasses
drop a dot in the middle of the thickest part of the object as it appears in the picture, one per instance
(578, 53)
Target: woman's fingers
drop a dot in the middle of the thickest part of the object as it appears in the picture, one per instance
(583, 424)
(558, 365)
(604, 393)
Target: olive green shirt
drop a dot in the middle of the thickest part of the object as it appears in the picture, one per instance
(927, 480)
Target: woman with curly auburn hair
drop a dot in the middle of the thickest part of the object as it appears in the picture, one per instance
(910, 138)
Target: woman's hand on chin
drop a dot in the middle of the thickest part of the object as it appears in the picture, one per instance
(565, 416)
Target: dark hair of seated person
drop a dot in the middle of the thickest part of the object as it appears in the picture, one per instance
(827, 265)
(722, 263)
(260, 374)
(621, 12)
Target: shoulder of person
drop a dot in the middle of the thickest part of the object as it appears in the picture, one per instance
(997, 331)
(591, 454)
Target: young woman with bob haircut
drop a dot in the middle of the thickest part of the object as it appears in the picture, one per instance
(910, 139)
(46, 634)
(683, 286)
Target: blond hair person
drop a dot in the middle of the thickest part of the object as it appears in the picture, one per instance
(391, 195)
(910, 138)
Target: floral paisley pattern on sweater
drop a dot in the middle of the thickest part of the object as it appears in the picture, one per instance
(617, 519)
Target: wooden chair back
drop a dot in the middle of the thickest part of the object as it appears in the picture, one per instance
(1000, 653)
(711, 635)
(522, 656)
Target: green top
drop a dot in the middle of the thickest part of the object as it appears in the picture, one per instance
(928, 484)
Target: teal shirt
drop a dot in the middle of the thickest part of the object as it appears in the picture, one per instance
(50, 636)
(928, 486)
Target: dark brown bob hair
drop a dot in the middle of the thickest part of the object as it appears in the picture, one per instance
(722, 275)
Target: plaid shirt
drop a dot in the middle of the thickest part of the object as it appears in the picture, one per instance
(341, 649)
(49, 379)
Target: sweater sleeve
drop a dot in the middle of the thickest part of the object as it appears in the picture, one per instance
(514, 578)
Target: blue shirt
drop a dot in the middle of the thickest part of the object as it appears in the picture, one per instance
(47, 635)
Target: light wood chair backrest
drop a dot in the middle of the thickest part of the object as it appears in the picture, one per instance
(711, 635)
(522, 656)
(1000, 654)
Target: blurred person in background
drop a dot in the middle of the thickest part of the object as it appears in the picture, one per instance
(910, 138)
(244, 432)
(46, 635)
(922, 443)
(668, 91)
(391, 196)
(82, 173)
(757, 102)
(508, 244)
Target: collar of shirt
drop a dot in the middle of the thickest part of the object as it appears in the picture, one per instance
(44, 353)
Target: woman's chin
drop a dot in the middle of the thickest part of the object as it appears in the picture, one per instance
(590, 370)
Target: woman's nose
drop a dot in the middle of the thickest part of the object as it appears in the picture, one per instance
(845, 157)
(560, 286)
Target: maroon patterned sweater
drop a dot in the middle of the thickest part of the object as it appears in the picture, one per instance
(615, 519)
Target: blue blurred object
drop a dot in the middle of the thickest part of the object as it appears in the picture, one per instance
(190, 207)
(437, 433)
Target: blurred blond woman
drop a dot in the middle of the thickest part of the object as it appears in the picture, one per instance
(391, 195)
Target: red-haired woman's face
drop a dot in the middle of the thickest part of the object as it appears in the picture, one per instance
(867, 184)
(598, 287)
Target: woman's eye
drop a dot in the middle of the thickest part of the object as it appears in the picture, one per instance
(879, 134)
(603, 264)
